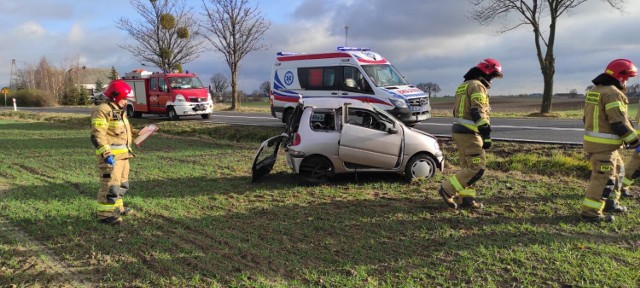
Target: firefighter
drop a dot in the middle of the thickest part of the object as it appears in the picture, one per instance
(606, 129)
(471, 133)
(632, 168)
(111, 135)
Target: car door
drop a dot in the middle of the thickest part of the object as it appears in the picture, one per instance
(266, 157)
(366, 143)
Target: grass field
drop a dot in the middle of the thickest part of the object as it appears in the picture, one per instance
(201, 223)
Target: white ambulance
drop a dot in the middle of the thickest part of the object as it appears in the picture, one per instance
(349, 72)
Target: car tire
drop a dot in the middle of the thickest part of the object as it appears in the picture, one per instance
(315, 170)
(205, 116)
(420, 166)
(171, 113)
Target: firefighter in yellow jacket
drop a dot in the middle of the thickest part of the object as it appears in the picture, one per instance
(112, 135)
(632, 168)
(607, 128)
(471, 133)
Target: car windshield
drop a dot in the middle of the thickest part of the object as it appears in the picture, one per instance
(185, 83)
(385, 113)
(384, 75)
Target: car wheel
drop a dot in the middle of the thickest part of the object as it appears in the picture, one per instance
(205, 116)
(137, 114)
(172, 114)
(420, 166)
(316, 170)
(130, 111)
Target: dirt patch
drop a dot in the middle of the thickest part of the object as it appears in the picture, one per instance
(22, 257)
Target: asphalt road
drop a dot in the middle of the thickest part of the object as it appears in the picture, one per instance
(505, 129)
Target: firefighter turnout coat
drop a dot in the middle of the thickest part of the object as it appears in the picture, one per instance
(607, 128)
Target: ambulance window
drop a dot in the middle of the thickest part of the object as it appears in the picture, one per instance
(153, 84)
(355, 81)
(317, 78)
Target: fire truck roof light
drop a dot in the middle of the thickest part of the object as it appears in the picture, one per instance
(345, 48)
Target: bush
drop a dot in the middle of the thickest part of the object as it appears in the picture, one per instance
(31, 98)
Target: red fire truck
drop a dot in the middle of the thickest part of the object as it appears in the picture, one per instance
(171, 94)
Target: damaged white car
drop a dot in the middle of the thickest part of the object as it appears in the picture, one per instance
(331, 136)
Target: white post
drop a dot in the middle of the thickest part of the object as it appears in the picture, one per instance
(14, 105)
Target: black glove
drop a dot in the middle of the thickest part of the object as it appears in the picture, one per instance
(633, 144)
(485, 133)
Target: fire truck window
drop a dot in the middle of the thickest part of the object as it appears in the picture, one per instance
(153, 84)
(162, 85)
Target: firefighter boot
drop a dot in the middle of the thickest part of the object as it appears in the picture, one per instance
(470, 203)
(625, 193)
(447, 198)
(124, 211)
(612, 206)
(113, 220)
(598, 219)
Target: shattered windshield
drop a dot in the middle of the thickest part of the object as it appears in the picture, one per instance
(384, 75)
(185, 83)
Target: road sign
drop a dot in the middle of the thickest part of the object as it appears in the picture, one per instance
(5, 90)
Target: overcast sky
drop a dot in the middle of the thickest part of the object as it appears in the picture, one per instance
(426, 40)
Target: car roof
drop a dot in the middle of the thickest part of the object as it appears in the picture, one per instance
(331, 102)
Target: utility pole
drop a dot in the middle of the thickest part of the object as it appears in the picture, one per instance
(346, 35)
(13, 71)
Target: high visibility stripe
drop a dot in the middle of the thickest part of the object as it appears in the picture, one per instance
(615, 195)
(614, 105)
(626, 181)
(482, 122)
(103, 149)
(119, 203)
(602, 135)
(106, 207)
(456, 184)
(596, 121)
(602, 140)
(466, 123)
(462, 91)
(98, 123)
(119, 151)
(633, 135)
(598, 205)
(468, 193)
(478, 97)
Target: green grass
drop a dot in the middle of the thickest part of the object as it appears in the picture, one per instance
(201, 223)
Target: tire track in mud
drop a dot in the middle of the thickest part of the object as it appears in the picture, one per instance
(37, 259)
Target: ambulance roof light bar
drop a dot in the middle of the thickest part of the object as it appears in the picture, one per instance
(345, 48)
(286, 53)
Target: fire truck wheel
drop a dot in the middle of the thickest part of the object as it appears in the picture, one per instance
(172, 114)
(129, 111)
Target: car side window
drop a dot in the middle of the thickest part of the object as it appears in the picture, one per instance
(365, 118)
(323, 120)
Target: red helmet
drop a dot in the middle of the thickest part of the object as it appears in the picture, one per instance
(490, 67)
(117, 90)
(622, 70)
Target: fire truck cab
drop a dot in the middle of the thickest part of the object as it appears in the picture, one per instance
(170, 94)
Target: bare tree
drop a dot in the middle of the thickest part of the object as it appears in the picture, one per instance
(265, 88)
(219, 83)
(535, 13)
(164, 35)
(430, 88)
(235, 31)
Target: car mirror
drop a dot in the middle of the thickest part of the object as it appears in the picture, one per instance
(392, 130)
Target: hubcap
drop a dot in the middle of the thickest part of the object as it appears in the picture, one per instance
(421, 169)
